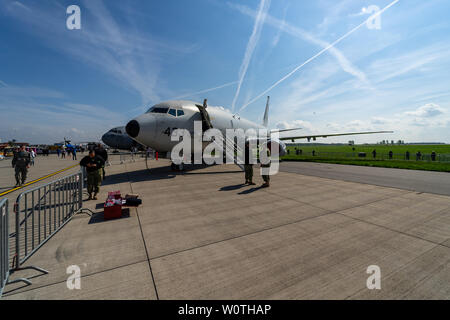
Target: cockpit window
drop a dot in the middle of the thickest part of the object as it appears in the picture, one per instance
(173, 112)
(158, 110)
(180, 113)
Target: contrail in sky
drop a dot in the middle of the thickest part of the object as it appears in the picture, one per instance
(205, 90)
(251, 45)
(317, 55)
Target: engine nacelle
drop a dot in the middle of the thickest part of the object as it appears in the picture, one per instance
(275, 143)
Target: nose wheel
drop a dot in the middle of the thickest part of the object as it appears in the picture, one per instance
(177, 167)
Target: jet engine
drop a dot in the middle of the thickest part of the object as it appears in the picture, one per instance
(275, 143)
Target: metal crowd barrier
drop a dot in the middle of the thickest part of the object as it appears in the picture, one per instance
(124, 157)
(43, 211)
(4, 244)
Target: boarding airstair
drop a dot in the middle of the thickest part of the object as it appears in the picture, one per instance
(231, 150)
(206, 121)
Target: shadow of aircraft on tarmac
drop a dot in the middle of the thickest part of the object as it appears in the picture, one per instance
(158, 173)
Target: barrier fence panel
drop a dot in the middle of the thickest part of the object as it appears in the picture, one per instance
(4, 244)
(125, 157)
(42, 211)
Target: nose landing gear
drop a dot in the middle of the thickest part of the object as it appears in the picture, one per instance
(177, 167)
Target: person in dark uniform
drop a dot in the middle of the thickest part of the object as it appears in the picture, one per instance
(248, 165)
(266, 177)
(433, 156)
(21, 163)
(93, 164)
(99, 150)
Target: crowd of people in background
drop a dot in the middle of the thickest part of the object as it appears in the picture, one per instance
(71, 152)
(25, 157)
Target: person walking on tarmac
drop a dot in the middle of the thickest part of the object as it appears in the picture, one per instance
(93, 164)
(21, 163)
(248, 165)
(32, 156)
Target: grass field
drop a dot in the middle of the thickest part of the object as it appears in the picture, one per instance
(345, 154)
(413, 149)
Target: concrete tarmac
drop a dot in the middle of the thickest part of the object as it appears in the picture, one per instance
(414, 180)
(201, 234)
(43, 166)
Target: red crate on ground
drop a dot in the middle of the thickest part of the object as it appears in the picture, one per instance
(112, 212)
(114, 195)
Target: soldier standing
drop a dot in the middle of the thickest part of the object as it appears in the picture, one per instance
(93, 164)
(21, 163)
(266, 177)
(248, 165)
(100, 151)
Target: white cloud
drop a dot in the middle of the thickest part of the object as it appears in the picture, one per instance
(419, 61)
(10, 91)
(122, 52)
(297, 32)
(427, 111)
(305, 125)
(364, 11)
(260, 17)
(40, 115)
(20, 5)
(380, 120)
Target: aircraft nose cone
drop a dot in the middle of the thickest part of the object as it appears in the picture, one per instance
(106, 139)
(133, 128)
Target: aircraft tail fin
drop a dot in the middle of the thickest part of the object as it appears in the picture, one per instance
(266, 113)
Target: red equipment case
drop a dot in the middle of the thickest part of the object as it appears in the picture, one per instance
(115, 211)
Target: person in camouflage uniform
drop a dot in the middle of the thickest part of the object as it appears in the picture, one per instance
(93, 164)
(21, 163)
(248, 165)
(265, 177)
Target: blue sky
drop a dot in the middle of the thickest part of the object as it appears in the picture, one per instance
(129, 55)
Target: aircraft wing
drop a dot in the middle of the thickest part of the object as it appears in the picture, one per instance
(309, 137)
(284, 130)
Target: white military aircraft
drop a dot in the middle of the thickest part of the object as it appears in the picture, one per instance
(154, 128)
(117, 138)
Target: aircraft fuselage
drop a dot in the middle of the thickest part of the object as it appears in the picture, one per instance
(154, 128)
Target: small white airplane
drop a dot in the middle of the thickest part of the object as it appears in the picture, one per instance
(154, 128)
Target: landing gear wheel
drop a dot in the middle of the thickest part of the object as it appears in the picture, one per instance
(177, 167)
